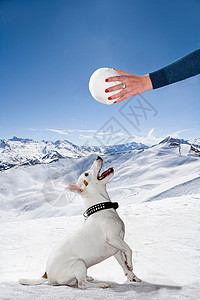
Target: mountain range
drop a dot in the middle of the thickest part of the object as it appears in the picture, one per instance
(20, 151)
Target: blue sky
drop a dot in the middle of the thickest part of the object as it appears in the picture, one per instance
(50, 48)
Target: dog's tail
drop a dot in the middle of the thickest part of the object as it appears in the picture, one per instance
(33, 281)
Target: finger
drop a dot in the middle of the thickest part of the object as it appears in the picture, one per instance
(122, 99)
(120, 94)
(114, 88)
(123, 73)
(125, 96)
(114, 78)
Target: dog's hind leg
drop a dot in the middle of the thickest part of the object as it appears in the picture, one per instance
(121, 260)
(79, 270)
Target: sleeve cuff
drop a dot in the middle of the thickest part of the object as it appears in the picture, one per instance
(158, 79)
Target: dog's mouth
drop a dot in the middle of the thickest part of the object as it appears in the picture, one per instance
(104, 174)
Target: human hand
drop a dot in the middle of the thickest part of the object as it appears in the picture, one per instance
(135, 85)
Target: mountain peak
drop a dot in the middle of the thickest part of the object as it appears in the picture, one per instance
(16, 139)
(176, 140)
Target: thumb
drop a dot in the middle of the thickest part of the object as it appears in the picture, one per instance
(122, 72)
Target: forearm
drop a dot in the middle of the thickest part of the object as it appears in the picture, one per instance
(181, 69)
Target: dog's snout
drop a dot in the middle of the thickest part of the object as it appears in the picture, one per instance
(99, 158)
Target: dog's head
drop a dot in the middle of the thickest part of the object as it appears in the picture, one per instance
(91, 181)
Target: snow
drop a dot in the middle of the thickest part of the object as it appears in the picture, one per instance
(18, 151)
(97, 85)
(158, 191)
(195, 141)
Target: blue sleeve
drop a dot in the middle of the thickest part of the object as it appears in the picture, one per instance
(183, 68)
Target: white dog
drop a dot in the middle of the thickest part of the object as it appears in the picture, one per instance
(101, 236)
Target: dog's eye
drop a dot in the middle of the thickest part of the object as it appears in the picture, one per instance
(86, 174)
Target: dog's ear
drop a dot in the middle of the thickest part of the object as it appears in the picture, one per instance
(73, 187)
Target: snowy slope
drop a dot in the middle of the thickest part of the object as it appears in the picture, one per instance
(158, 191)
(164, 237)
(38, 191)
(195, 141)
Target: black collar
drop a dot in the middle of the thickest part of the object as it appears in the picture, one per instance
(100, 206)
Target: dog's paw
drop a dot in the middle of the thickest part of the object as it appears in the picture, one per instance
(89, 278)
(88, 284)
(104, 285)
(135, 279)
(132, 277)
(82, 286)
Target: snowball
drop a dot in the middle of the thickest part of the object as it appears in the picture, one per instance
(97, 85)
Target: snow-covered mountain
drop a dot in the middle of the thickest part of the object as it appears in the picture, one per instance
(185, 147)
(170, 139)
(18, 151)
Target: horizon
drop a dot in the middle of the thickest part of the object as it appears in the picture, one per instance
(50, 49)
(15, 138)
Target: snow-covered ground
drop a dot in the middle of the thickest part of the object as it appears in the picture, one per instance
(158, 191)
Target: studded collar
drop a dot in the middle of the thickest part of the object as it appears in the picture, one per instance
(100, 206)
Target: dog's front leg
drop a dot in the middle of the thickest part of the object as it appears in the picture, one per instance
(119, 244)
(121, 260)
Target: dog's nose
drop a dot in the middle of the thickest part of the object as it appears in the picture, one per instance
(99, 157)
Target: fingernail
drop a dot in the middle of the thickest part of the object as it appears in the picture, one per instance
(109, 98)
(106, 80)
(106, 91)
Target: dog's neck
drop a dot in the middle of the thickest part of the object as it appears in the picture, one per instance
(96, 198)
